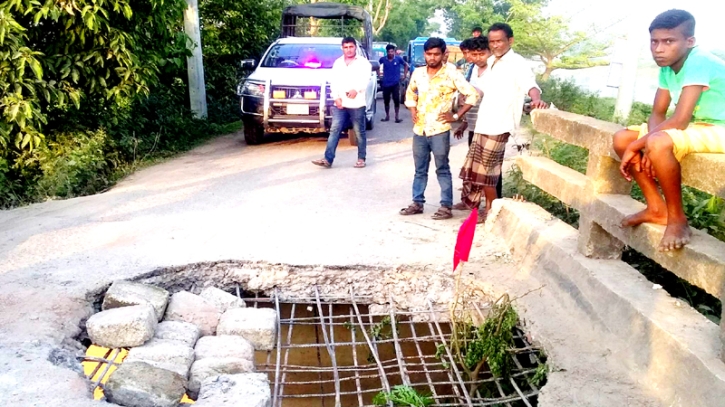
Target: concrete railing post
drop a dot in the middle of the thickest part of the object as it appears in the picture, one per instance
(603, 178)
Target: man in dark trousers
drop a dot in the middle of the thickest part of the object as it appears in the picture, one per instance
(391, 81)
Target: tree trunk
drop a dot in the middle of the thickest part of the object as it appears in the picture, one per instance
(547, 73)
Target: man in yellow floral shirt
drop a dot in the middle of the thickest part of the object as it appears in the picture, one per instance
(430, 97)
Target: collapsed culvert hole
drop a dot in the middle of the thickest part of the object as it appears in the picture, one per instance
(330, 350)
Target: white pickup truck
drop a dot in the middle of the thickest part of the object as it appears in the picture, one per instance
(289, 92)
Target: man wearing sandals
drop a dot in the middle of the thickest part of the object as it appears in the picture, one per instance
(430, 97)
(507, 81)
(349, 80)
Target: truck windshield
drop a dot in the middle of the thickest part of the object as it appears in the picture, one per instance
(310, 56)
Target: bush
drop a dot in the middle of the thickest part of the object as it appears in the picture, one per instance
(76, 164)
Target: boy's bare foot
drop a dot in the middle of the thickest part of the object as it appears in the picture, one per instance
(676, 236)
(645, 216)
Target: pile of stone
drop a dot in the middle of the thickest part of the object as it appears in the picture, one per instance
(202, 345)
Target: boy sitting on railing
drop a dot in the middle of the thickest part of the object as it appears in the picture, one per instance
(695, 80)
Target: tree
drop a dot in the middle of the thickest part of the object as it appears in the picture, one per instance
(55, 53)
(550, 39)
(462, 15)
(408, 19)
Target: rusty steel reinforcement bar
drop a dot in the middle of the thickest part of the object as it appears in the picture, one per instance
(373, 348)
(330, 348)
(396, 344)
(279, 346)
(355, 383)
(450, 356)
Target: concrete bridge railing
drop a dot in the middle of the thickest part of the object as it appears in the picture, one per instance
(603, 199)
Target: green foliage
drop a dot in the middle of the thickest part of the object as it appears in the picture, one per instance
(490, 342)
(54, 54)
(696, 297)
(550, 39)
(539, 378)
(407, 20)
(383, 329)
(565, 154)
(515, 184)
(76, 164)
(568, 96)
(403, 396)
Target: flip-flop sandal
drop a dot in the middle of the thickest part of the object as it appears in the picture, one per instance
(360, 164)
(412, 209)
(398, 120)
(384, 120)
(322, 163)
(442, 213)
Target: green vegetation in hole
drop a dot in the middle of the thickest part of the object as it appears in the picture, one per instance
(540, 374)
(403, 396)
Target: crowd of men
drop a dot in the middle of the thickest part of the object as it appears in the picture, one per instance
(488, 99)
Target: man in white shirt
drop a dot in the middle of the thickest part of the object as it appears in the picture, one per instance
(350, 75)
(507, 81)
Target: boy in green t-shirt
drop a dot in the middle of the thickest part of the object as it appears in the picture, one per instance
(695, 80)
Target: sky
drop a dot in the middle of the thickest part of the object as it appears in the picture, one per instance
(638, 14)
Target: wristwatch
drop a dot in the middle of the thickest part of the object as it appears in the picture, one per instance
(455, 116)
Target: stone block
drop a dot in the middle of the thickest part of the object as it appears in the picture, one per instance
(210, 367)
(124, 293)
(227, 390)
(222, 299)
(122, 327)
(183, 332)
(224, 346)
(165, 354)
(257, 325)
(187, 307)
(138, 384)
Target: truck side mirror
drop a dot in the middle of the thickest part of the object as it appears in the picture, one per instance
(249, 64)
(375, 65)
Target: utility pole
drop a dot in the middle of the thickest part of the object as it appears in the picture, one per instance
(628, 79)
(195, 63)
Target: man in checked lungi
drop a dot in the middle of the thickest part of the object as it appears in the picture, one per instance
(508, 80)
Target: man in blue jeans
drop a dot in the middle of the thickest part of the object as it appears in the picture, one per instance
(349, 79)
(391, 65)
(430, 98)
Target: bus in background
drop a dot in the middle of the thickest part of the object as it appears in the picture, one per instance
(416, 58)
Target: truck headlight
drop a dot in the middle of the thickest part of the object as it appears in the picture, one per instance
(252, 88)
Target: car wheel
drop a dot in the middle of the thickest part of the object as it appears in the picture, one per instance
(369, 124)
(253, 132)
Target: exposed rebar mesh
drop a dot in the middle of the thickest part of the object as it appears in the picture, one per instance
(335, 352)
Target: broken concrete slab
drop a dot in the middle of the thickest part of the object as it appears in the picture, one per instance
(228, 390)
(257, 325)
(179, 331)
(209, 367)
(124, 293)
(187, 307)
(122, 327)
(221, 299)
(138, 384)
(224, 346)
(165, 354)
